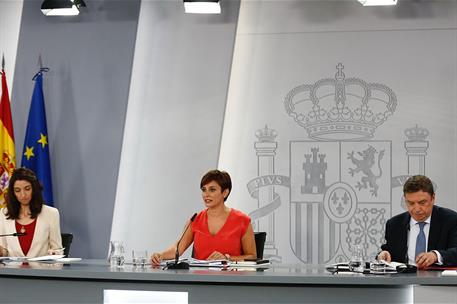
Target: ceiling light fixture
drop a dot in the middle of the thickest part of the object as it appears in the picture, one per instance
(202, 6)
(62, 7)
(377, 2)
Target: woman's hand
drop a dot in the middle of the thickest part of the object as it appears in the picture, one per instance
(3, 251)
(156, 258)
(216, 255)
(56, 251)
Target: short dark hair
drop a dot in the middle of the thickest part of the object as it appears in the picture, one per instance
(418, 183)
(222, 178)
(12, 204)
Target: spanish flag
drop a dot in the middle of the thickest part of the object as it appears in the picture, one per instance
(8, 153)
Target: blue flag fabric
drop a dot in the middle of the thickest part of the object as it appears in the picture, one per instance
(36, 147)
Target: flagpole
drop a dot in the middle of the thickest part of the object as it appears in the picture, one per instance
(40, 62)
(40, 66)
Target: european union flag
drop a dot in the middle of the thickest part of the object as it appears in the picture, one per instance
(36, 147)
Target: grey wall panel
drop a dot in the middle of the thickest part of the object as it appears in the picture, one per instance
(86, 90)
(307, 16)
(10, 21)
(174, 120)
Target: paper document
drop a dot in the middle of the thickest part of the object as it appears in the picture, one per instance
(16, 259)
(225, 263)
(392, 265)
(53, 257)
(208, 263)
(260, 263)
(449, 273)
(68, 260)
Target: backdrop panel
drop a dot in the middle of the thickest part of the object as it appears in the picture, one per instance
(10, 21)
(174, 120)
(331, 106)
(90, 58)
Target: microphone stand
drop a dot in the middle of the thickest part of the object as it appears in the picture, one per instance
(176, 264)
(14, 234)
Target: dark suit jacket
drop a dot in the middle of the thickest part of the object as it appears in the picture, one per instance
(442, 235)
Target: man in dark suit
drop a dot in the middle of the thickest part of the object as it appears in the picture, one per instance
(426, 234)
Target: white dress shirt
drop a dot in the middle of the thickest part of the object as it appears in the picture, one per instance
(412, 237)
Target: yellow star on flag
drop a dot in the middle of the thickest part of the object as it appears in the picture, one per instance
(43, 140)
(28, 152)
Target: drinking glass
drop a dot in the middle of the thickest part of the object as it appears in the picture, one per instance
(139, 258)
(356, 262)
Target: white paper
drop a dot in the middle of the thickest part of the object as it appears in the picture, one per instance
(392, 265)
(208, 263)
(53, 257)
(68, 260)
(10, 258)
(248, 264)
(449, 273)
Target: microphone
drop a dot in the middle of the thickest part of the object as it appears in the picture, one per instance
(176, 264)
(14, 234)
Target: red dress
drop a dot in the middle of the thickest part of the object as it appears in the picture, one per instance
(26, 240)
(226, 240)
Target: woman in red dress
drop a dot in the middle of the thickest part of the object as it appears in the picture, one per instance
(218, 232)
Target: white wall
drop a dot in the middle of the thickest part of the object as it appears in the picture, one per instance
(10, 21)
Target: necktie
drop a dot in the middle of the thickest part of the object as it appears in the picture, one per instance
(420, 241)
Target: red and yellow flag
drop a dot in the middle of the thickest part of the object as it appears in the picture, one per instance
(7, 150)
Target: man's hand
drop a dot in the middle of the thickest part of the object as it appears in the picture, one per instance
(385, 256)
(426, 259)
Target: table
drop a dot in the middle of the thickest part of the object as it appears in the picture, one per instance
(84, 282)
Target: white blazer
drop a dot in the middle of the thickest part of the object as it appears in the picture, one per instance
(47, 234)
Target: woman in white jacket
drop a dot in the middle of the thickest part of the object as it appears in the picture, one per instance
(26, 213)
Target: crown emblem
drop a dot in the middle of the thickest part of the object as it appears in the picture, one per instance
(340, 108)
(416, 134)
(266, 134)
